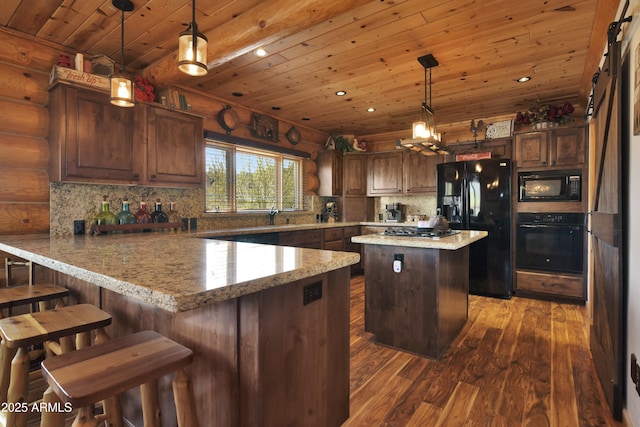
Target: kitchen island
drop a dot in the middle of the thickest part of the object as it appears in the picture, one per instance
(422, 307)
(269, 325)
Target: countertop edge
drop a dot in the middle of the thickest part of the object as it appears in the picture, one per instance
(455, 242)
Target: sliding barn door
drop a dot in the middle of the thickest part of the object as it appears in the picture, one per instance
(607, 341)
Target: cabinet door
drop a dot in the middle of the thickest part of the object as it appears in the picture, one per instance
(355, 174)
(567, 147)
(94, 137)
(175, 150)
(419, 173)
(329, 173)
(531, 149)
(384, 173)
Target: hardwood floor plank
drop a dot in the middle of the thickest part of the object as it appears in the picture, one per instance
(459, 405)
(515, 362)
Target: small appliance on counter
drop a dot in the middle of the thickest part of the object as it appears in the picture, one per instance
(330, 211)
(394, 212)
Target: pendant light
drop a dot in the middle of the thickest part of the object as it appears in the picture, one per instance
(121, 85)
(192, 48)
(425, 128)
(425, 133)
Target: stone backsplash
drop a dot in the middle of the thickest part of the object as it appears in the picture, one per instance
(69, 202)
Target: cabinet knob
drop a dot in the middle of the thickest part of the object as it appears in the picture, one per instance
(152, 177)
(543, 162)
(136, 176)
(553, 162)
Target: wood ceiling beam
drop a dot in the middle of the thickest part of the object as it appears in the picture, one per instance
(264, 24)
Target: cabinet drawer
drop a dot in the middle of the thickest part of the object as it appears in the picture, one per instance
(349, 232)
(335, 245)
(331, 234)
(306, 238)
(550, 284)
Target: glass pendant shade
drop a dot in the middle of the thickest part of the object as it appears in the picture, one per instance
(194, 65)
(121, 91)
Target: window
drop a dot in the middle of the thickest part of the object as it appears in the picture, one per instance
(247, 179)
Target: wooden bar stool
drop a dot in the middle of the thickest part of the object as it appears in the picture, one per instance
(94, 373)
(25, 330)
(15, 296)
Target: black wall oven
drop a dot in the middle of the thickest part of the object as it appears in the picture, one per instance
(550, 242)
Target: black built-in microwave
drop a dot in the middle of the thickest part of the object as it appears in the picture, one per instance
(550, 186)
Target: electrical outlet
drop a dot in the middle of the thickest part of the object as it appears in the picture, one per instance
(635, 372)
(78, 226)
(311, 292)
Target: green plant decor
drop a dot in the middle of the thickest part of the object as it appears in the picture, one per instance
(342, 144)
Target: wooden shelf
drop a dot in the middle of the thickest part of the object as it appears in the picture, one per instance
(132, 228)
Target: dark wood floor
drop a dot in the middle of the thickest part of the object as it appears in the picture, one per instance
(518, 362)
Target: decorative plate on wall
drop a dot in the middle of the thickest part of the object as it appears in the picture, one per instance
(228, 119)
(293, 135)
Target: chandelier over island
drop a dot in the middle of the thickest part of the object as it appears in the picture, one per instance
(425, 136)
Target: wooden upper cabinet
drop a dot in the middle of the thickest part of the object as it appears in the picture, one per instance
(175, 147)
(562, 146)
(567, 146)
(385, 173)
(355, 174)
(90, 139)
(420, 173)
(330, 173)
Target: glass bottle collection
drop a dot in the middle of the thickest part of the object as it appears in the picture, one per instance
(141, 216)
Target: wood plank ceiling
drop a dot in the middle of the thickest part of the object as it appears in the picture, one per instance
(367, 48)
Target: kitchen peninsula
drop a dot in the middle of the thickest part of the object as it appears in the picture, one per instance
(269, 325)
(416, 293)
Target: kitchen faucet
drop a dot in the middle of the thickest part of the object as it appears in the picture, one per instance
(272, 214)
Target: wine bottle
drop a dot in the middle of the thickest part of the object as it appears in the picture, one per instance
(158, 215)
(125, 216)
(174, 216)
(105, 216)
(142, 214)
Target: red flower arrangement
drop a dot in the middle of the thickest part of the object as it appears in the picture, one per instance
(546, 113)
(143, 90)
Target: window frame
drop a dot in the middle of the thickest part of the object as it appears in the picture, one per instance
(231, 152)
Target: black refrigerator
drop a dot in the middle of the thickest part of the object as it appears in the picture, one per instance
(476, 195)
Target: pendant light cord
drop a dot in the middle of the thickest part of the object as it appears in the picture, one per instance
(194, 29)
(122, 42)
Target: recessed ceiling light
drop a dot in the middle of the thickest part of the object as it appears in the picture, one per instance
(260, 52)
(371, 110)
(275, 108)
(524, 79)
(306, 118)
(238, 94)
(341, 93)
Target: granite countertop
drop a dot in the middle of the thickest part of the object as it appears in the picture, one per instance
(175, 271)
(452, 242)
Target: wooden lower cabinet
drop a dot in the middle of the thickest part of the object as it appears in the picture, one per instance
(261, 359)
(550, 285)
(301, 238)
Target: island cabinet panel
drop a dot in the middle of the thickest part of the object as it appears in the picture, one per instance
(422, 308)
(90, 139)
(295, 353)
(262, 359)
